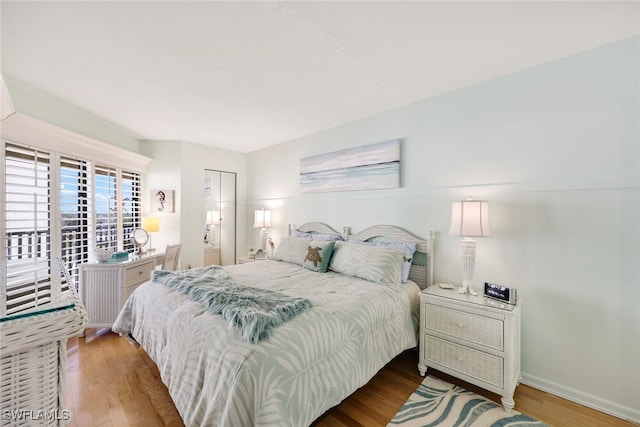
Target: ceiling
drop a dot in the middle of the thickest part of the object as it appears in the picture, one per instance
(247, 75)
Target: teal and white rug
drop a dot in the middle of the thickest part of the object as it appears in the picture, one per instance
(438, 403)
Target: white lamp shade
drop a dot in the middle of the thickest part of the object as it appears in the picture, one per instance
(262, 218)
(470, 218)
(213, 217)
(151, 224)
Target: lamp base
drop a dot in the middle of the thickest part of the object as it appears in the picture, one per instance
(468, 264)
(263, 239)
(466, 288)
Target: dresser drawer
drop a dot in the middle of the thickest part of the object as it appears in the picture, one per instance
(477, 364)
(470, 327)
(139, 273)
(130, 288)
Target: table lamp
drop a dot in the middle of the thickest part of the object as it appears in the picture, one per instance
(469, 219)
(262, 220)
(151, 224)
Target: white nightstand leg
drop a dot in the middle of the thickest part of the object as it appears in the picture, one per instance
(422, 369)
(508, 403)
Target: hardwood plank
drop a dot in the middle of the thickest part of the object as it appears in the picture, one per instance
(112, 383)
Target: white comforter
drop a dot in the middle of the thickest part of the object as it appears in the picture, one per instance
(310, 364)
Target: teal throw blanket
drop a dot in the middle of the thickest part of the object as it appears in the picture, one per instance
(254, 311)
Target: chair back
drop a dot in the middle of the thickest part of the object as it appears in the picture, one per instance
(171, 257)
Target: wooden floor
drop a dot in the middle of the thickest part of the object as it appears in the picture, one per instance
(111, 383)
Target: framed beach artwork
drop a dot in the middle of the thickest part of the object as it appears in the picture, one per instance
(161, 201)
(368, 167)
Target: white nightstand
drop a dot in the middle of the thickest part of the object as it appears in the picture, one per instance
(472, 338)
(244, 260)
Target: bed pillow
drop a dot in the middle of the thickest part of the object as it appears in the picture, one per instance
(318, 255)
(292, 249)
(298, 233)
(325, 236)
(408, 248)
(374, 263)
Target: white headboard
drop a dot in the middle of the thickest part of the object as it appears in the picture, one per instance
(421, 273)
(316, 227)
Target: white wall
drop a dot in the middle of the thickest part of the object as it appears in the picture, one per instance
(555, 150)
(179, 166)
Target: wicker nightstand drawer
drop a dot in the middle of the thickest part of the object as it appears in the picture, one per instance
(477, 364)
(139, 273)
(477, 329)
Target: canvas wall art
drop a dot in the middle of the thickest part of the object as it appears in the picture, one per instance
(368, 167)
(161, 201)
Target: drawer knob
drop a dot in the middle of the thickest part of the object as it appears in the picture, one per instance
(140, 272)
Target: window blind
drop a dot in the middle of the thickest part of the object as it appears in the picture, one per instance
(27, 228)
(98, 206)
(131, 201)
(76, 220)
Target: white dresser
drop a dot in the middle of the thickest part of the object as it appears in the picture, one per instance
(472, 338)
(211, 255)
(104, 287)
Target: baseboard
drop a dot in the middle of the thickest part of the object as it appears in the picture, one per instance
(594, 402)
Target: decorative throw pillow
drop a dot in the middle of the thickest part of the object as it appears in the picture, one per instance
(374, 263)
(318, 255)
(292, 249)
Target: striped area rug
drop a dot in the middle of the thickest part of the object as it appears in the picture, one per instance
(438, 403)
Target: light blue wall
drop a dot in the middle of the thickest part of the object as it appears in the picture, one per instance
(555, 151)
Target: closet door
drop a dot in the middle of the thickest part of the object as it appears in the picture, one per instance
(220, 214)
(227, 218)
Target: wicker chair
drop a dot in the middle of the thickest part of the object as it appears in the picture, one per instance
(33, 355)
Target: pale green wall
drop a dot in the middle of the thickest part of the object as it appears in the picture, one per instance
(60, 113)
(555, 151)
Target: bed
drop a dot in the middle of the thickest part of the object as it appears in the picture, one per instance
(356, 324)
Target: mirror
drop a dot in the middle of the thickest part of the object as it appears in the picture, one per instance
(139, 238)
(219, 217)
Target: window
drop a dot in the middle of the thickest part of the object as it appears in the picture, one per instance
(27, 228)
(60, 206)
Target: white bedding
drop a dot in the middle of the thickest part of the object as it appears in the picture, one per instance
(310, 364)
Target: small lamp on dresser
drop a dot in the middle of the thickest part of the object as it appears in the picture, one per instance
(469, 219)
(262, 220)
(151, 224)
